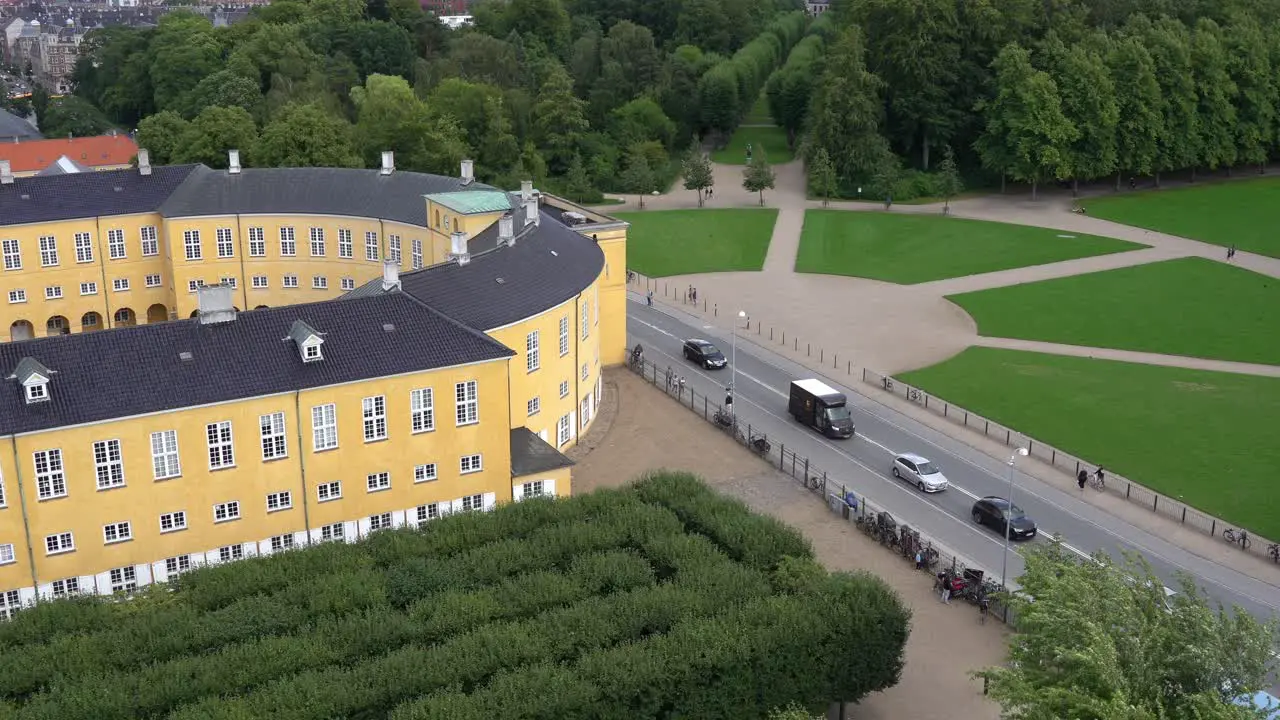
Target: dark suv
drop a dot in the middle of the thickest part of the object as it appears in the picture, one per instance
(999, 514)
(704, 353)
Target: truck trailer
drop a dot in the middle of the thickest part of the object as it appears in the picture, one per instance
(821, 407)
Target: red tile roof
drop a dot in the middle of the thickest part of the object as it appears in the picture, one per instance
(94, 152)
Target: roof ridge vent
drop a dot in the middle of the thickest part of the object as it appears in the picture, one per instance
(216, 303)
(458, 248)
(6, 173)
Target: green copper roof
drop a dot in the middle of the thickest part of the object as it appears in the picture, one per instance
(473, 202)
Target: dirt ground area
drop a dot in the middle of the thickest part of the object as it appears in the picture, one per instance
(640, 430)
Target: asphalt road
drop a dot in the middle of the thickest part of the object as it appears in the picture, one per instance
(863, 463)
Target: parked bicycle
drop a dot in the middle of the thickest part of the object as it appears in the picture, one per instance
(1274, 551)
(1237, 537)
(1097, 481)
(760, 444)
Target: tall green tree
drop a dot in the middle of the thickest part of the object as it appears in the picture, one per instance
(225, 88)
(183, 51)
(1099, 639)
(161, 134)
(696, 169)
(847, 112)
(822, 176)
(1170, 46)
(391, 117)
(1027, 135)
(790, 88)
(212, 133)
(559, 119)
(306, 136)
(1250, 68)
(1140, 104)
(638, 177)
(718, 100)
(1089, 102)
(758, 176)
(1216, 93)
(71, 115)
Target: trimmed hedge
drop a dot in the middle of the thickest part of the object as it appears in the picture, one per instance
(727, 91)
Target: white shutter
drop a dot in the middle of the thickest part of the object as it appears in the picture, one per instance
(211, 557)
(573, 424)
(159, 572)
(45, 591)
(264, 547)
(144, 575)
(490, 499)
(455, 505)
(549, 487)
(27, 595)
(517, 493)
(315, 535)
(250, 549)
(300, 538)
(198, 559)
(102, 582)
(349, 531)
(397, 518)
(543, 434)
(365, 527)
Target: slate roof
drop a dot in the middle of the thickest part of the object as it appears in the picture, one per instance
(12, 126)
(49, 198)
(136, 370)
(531, 454)
(328, 191)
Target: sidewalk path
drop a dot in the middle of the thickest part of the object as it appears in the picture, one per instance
(1130, 356)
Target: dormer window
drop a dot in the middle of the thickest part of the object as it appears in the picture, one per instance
(307, 340)
(37, 392)
(311, 352)
(34, 379)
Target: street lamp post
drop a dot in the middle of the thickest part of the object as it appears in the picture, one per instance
(733, 360)
(1004, 561)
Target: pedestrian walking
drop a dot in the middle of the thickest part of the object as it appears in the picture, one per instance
(649, 298)
(681, 386)
(671, 378)
(1231, 253)
(919, 560)
(946, 592)
(1102, 478)
(694, 290)
(1082, 477)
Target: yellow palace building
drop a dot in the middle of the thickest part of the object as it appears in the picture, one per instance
(205, 365)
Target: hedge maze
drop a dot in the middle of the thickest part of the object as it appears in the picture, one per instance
(662, 600)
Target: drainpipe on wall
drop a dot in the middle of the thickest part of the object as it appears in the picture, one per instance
(577, 374)
(106, 296)
(302, 464)
(511, 489)
(26, 519)
(244, 286)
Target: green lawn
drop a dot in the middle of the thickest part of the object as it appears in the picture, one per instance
(909, 249)
(772, 139)
(759, 114)
(1205, 437)
(1243, 212)
(680, 242)
(1191, 306)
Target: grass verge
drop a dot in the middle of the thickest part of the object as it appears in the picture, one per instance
(772, 140)
(680, 242)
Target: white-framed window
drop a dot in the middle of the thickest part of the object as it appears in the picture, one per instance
(422, 414)
(59, 543)
(53, 292)
(12, 254)
(534, 406)
(173, 521)
(120, 284)
(564, 336)
(259, 282)
(378, 481)
(221, 451)
(107, 464)
(430, 511)
(48, 251)
(228, 553)
(224, 512)
(471, 503)
(532, 353)
(374, 410)
(2, 502)
(10, 604)
(273, 440)
(380, 522)
(467, 403)
(533, 489)
(228, 280)
(319, 282)
(564, 427)
(585, 414)
(345, 246)
(226, 246)
(470, 464)
(282, 542)
(585, 323)
(595, 301)
(585, 372)
(317, 242)
(191, 243)
(88, 288)
(115, 244)
(66, 587)
(336, 531)
(194, 285)
(17, 296)
(51, 479)
(290, 281)
(150, 240)
(257, 242)
(116, 532)
(564, 389)
(416, 245)
(164, 454)
(425, 472)
(282, 500)
(324, 427)
(348, 283)
(6, 554)
(371, 246)
(84, 247)
(329, 491)
(393, 248)
(288, 244)
(153, 280)
(124, 579)
(177, 565)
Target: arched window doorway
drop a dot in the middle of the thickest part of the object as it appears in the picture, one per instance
(157, 313)
(90, 321)
(194, 313)
(57, 325)
(259, 307)
(21, 330)
(125, 317)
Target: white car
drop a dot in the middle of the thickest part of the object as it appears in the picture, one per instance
(919, 472)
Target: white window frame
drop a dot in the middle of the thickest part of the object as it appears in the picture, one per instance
(229, 511)
(84, 247)
(377, 482)
(117, 532)
(317, 242)
(586, 318)
(536, 488)
(89, 288)
(226, 243)
(290, 282)
(120, 284)
(346, 249)
(165, 460)
(335, 532)
(532, 352)
(381, 521)
(221, 443)
(257, 242)
(7, 556)
(177, 565)
(324, 427)
(149, 240)
(422, 412)
(428, 512)
(426, 472)
(53, 292)
(153, 280)
(466, 398)
(533, 406)
(371, 250)
(259, 282)
(65, 542)
(194, 285)
(123, 579)
(12, 253)
(326, 492)
(274, 443)
(229, 280)
(416, 249)
(173, 521)
(66, 587)
(584, 412)
(116, 249)
(564, 336)
(468, 464)
(288, 242)
(108, 464)
(393, 249)
(280, 543)
(17, 296)
(471, 503)
(191, 245)
(230, 553)
(319, 282)
(277, 501)
(374, 412)
(564, 430)
(564, 389)
(348, 283)
(48, 251)
(51, 480)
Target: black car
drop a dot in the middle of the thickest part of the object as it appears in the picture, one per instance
(704, 353)
(998, 513)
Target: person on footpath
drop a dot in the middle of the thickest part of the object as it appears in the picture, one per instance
(946, 591)
(1082, 477)
(649, 298)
